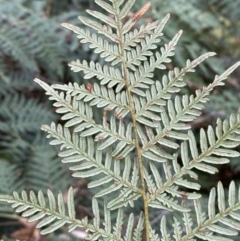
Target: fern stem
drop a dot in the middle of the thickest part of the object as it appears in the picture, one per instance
(139, 153)
(140, 163)
(134, 121)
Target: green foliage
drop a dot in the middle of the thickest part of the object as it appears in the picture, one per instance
(42, 53)
(20, 115)
(28, 38)
(229, 99)
(142, 149)
(18, 22)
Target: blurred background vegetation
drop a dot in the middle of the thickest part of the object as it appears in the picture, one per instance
(33, 44)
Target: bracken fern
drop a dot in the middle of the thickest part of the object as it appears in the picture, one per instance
(143, 147)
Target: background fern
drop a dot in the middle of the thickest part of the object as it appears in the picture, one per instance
(18, 80)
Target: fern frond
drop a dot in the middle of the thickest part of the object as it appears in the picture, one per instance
(20, 121)
(111, 232)
(106, 6)
(98, 96)
(9, 182)
(142, 124)
(107, 20)
(134, 56)
(171, 83)
(19, 22)
(107, 51)
(132, 38)
(53, 174)
(102, 29)
(188, 113)
(126, 8)
(80, 115)
(227, 137)
(34, 208)
(81, 149)
(106, 74)
(10, 45)
(127, 195)
(213, 227)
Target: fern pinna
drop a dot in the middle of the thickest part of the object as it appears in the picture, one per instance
(135, 149)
